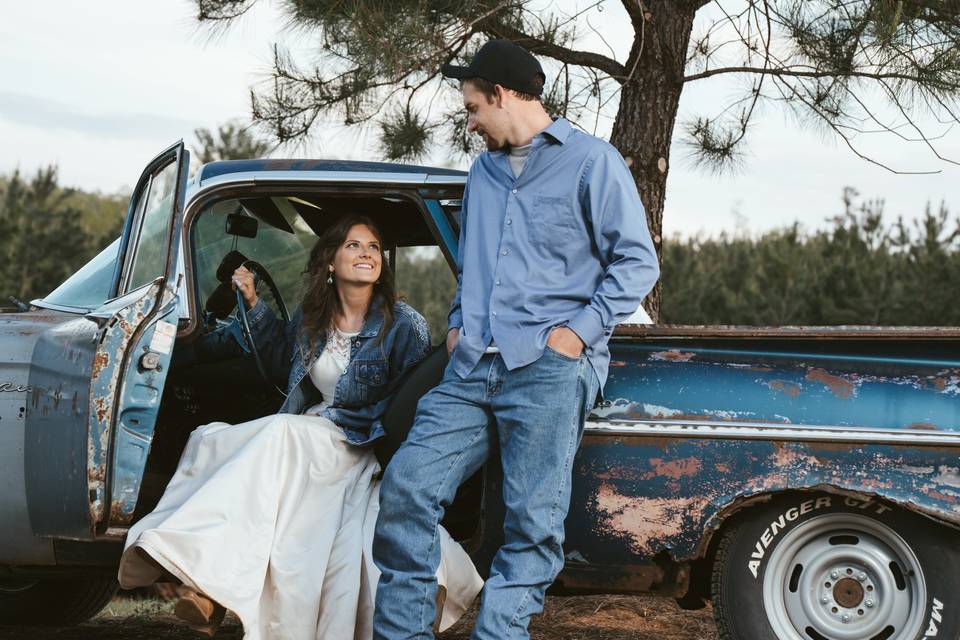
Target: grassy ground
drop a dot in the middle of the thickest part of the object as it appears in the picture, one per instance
(565, 618)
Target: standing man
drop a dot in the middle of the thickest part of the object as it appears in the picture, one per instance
(554, 251)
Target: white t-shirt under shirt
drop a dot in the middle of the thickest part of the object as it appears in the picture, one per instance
(332, 363)
(518, 157)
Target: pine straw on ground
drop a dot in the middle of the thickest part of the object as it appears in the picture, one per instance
(608, 618)
(565, 618)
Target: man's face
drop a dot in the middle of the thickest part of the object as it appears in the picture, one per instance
(485, 118)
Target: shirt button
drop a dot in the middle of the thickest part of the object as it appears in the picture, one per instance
(498, 283)
(509, 220)
(514, 190)
(494, 313)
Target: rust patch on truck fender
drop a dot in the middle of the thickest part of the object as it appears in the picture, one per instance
(939, 495)
(100, 362)
(838, 386)
(102, 407)
(645, 521)
(789, 388)
(675, 469)
(923, 426)
(118, 517)
(673, 355)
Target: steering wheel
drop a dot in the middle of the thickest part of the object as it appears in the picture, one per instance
(245, 337)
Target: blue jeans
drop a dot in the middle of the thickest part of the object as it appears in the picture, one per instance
(536, 413)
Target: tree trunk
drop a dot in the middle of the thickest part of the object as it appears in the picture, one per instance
(648, 109)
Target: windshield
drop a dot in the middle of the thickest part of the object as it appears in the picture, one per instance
(283, 253)
(89, 287)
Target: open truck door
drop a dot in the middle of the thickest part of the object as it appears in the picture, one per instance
(97, 378)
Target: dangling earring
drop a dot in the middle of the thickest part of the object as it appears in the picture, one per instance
(330, 278)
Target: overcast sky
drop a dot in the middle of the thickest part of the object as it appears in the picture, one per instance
(101, 87)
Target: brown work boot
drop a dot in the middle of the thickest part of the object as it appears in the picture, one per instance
(202, 614)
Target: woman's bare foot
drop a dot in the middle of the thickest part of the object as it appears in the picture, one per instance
(200, 612)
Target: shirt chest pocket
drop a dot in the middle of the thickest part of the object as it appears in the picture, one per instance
(371, 380)
(553, 221)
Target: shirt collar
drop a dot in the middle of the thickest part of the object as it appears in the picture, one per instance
(559, 130)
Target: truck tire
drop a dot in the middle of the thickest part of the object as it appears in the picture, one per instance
(816, 566)
(54, 603)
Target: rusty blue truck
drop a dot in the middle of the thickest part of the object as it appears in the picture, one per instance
(803, 479)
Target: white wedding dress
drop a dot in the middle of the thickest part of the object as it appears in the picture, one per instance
(274, 520)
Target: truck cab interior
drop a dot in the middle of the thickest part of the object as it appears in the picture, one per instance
(275, 228)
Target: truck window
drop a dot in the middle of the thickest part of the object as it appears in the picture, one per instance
(282, 253)
(149, 236)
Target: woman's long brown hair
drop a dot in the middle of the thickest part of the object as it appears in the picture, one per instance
(320, 300)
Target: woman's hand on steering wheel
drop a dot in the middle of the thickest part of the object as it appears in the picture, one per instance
(242, 279)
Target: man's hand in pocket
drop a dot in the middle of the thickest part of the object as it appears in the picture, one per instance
(564, 340)
(453, 337)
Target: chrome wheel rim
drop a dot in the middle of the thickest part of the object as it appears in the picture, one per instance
(844, 577)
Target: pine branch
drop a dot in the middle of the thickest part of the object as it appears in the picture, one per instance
(498, 29)
(809, 74)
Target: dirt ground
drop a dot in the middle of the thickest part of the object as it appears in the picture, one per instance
(565, 618)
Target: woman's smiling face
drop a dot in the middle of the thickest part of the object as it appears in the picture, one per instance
(358, 259)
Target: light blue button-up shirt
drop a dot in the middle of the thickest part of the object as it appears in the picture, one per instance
(563, 243)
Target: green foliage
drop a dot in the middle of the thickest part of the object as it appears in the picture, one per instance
(47, 232)
(230, 141)
(405, 136)
(425, 281)
(859, 271)
(834, 63)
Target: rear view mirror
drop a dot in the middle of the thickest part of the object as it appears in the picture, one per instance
(240, 225)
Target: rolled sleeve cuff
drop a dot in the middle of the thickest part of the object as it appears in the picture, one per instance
(588, 326)
(454, 320)
(259, 310)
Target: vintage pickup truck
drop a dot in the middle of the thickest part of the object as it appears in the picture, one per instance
(804, 479)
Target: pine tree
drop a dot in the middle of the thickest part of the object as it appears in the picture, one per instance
(231, 141)
(378, 64)
(42, 240)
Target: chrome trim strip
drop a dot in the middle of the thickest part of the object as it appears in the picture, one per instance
(315, 177)
(760, 431)
(43, 304)
(443, 179)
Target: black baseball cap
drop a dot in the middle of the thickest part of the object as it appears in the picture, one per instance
(502, 62)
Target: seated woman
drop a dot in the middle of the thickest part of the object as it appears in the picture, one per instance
(273, 518)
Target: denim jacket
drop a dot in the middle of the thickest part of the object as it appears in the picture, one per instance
(361, 396)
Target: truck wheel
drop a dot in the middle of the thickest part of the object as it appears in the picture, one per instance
(826, 567)
(53, 603)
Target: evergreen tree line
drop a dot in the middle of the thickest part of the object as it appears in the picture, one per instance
(48, 231)
(859, 269)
